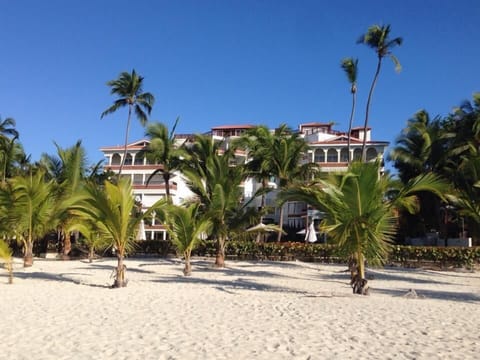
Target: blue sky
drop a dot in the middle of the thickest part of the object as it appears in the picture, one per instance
(227, 62)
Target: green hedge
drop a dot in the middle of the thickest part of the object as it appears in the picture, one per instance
(328, 253)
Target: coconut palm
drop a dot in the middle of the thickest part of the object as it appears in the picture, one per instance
(186, 227)
(6, 256)
(377, 37)
(7, 128)
(216, 184)
(68, 170)
(128, 87)
(258, 143)
(288, 151)
(350, 66)
(111, 208)
(32, 210)
(359, 216)
(11, 155)
(163, 150)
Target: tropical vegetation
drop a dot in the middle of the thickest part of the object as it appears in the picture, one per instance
(360, 211)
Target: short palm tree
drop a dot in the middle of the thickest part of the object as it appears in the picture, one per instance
(359, 216)
(216, 185)
(68, 170)
(164, 151)
(186, 226)
(377, 38)
(6, 256)
(287, 154)
(350, 66)
(32, 210)
(129, 90)
(112, 209)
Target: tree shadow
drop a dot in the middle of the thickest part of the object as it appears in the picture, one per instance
(431, 294)
(228, 286)
(61, 277)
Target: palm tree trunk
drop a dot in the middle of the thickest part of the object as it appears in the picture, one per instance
(220, 258)
(187, 271)
(280, 224)
(28, 257)
(120, 272)
(166, 179)
(367, 111)
(126, 140)
(91, 252)
(352, 114)
(9, 267)
(67, 244)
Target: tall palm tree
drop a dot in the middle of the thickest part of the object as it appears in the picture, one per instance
(377, 38)
(7, 128)
(32, 210)
(11, 155)
(164, 151)
(128, 87)
(111, 208)
(350, 66)
(186, 226)
(360, 217)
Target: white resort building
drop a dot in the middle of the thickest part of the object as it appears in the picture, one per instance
(328, 149)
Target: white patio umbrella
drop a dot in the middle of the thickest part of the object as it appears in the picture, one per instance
(141, 231)
(311, 236)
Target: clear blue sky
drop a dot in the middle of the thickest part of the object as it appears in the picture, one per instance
(226, 62)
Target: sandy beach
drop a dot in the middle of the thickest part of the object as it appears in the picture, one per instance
(249, 310)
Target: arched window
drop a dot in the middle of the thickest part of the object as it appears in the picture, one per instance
(332, 156)
(128, 160)
(319, 156)
(116, 159)
(344, 155)
(138, 159)
(371, 154)
(357, 154)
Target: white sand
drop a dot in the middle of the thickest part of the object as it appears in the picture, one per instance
(249, 310)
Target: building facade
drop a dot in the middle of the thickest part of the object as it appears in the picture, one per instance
(328, 149)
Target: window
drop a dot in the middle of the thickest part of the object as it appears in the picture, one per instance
(138, 179)
(357, 154)
(319, 156)
(332, 156)
(138, 160)
(344, 155)
(371, 154)
(128, 160)
(116, 159)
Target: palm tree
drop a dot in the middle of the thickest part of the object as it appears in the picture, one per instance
(6, 256)
(164, 151)
(350, 66)
(360, 210)
(7, 128)
(129, 90)
(32, 210)
(11, 154)
(258, 143)
(377, 38)
(288, 151)
(111, 208)
(68, 170)
(186, 226)
(216, 184)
